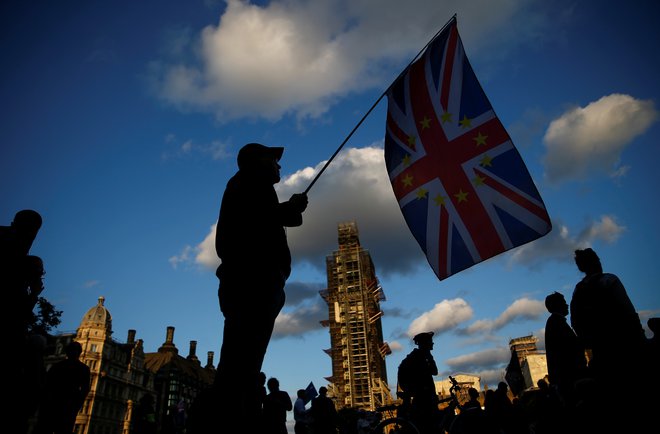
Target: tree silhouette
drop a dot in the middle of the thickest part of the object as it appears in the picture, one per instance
(46, 317)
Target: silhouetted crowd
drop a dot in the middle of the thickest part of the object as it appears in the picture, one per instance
(602, 370)
(55, 396)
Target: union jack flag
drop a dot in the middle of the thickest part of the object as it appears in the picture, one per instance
(462, 186)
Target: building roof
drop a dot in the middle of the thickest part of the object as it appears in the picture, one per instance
(167, 358)
(98, 317)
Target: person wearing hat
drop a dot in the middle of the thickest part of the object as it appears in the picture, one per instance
(415, 378)
(605, 319)
(564, 351)
(256, 262)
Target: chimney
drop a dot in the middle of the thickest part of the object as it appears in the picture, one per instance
(131, 337)
(193, 349)
(169, 346)
(209, 360)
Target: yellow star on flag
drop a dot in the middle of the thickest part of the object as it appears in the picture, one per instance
(480, 139)
(446, 117)
(478, 180)
(425, 123)
(461, 196)
(406, 160)
(421, 193)
(486, 161)
(411, 141)
(465, 122)
(439, 200)
(407, 181)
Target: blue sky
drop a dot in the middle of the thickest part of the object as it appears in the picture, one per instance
(122, 121)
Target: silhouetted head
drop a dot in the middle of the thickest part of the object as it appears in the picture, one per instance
(262, 378)
(502, 386)
(301, 393)
(260, 160)
(73, 350)
(556, 303)
(273, 384)
(323, 391)
(542, 385)
(424, 340)
(473, 393)
(588, 261)
(27, 223)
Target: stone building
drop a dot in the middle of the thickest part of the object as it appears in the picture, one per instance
(117, 372)
(121, 374)
(534, 368)
(527, 364)
(177, 379)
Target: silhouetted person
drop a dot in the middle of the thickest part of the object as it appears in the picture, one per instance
(544, 410)
(415, 378)
(256, 262)
(15, 243)
(490, 406)
(605, 319)
(262, 394)
(32, 272)
(564, 351)
(276, 404)
(502, 410)
(324, 414)
(67, 385)
(300, 414)
(16, 239)
(472, 419)
(17, 274)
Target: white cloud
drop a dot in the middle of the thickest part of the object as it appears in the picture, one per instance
(355, 187)
(444, 316)
(299, 321)
(215, 149)
(205, 251)
(297, 56)
(485, 359)
(523, 308)
(592, 138)
(559, 244)
(203, 254)
(491, 377)
(300, 292)
(395, 346)
(185, 257)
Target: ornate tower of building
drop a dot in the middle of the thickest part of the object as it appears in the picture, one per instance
(526, 366)
(359, 375)
(118, 373)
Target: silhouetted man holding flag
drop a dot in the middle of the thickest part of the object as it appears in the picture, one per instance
(256, 262)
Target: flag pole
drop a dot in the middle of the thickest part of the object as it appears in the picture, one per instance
(327, 163)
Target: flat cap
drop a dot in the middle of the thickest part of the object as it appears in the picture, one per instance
(253, 152)
(422, 337)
